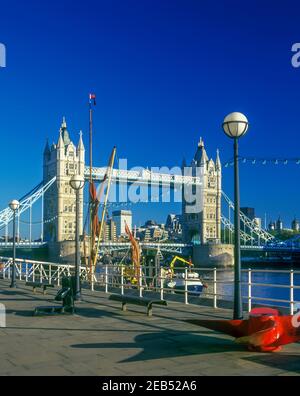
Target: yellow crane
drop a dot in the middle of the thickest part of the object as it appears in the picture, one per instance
(175, 258)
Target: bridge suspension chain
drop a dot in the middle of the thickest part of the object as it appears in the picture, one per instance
(261, 234)
(26, 203)
(244, 236)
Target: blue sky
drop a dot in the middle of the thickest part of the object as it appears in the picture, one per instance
(165, 73)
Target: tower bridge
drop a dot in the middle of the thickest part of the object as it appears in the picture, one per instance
(204, 229)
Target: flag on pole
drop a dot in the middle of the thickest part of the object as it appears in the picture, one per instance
(92, 98)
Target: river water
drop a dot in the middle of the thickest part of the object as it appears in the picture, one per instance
(268, 283)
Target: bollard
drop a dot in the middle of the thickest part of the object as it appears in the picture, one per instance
(2, 315)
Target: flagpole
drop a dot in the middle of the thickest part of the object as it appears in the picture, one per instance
(91, 140)
(91, 181)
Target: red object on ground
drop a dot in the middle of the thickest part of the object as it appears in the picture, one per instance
(264, 311)
(265, 330)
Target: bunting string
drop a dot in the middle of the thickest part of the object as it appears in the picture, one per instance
(263, 161)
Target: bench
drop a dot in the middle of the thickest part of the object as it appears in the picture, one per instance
(34, 285)
(146, 302)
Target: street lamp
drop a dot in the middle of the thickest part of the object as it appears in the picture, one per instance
(77, 183)
(235, 125)
(14, 206)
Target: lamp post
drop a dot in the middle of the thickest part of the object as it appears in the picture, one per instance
(77, 183)
(14, 206)
(235, 125)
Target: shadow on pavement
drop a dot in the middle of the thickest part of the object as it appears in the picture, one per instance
(20, 312)
(282, 361)
(158, 345)
(13, 292)
(84, 312)
(94, 313)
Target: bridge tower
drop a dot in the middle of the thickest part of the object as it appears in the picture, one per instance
(62, 160)
(205, 226)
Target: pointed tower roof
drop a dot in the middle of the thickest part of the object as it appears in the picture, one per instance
(218, 162)
(201, 156)
(80, 143)
(64, 123)
(60, 143)
(64, 132)
(47, 148)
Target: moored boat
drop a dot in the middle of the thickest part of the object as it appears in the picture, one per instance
(194, 284)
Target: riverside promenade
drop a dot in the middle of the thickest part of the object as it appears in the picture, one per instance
(102, 340)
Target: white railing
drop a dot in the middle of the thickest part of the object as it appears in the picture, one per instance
(219, 286)
(23, 244)
(38, 271)
(218, 282)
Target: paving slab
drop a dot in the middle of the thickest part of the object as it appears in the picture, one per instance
(102, 340)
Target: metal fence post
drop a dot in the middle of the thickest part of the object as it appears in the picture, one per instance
(186, 299)
(106, 279)
(161, 284)
(292, 292)
(20, 271)
(140, 282)
(249, 289)
(122, 280)
(92, 277)
(26, 271)
(4, 270)
(215, 288)
(50, 274)
(33, 273)
(41, 273)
